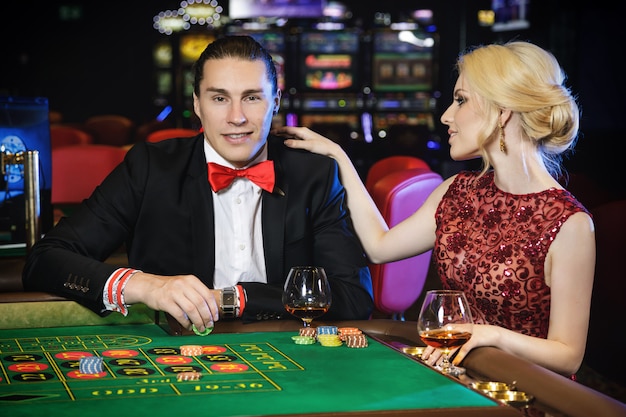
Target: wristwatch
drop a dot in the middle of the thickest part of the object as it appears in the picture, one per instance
(230, 303)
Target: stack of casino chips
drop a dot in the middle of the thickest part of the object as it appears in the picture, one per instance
(353, 337)
(326, 330)
(331, 336)
(328, 336)
(356, 340)
(191, 350)
(344, 331)
(303, 340)
(308, 331)
(90, 365)
(329, 340)
(188, 376)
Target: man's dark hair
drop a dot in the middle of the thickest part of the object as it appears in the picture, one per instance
(244, 47)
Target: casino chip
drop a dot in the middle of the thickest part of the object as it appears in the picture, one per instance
(90, 365)
(206, 331)
(191, 350)
(188, 376)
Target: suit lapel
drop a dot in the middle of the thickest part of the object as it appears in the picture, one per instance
(200, 201)
(273, 219)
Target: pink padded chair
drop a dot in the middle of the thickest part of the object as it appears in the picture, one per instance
(175, 132)
(390, 164)
(77, 170)
(398, 285)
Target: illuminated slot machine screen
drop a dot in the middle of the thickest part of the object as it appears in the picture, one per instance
(403, 78)
(329, 61)
(403, 61)
(329, 82)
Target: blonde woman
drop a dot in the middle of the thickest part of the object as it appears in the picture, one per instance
(519, 245)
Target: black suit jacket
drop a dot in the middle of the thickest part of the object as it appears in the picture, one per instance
(158, 203)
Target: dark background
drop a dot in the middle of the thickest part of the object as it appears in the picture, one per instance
(101, 62)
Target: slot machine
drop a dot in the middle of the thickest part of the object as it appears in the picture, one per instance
(329, 96)
(404, 77)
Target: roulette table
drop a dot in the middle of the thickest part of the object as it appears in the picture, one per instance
(252, 369)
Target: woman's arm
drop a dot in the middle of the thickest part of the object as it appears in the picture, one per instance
(413, 236)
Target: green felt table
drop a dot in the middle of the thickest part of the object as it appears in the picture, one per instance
(252, 374)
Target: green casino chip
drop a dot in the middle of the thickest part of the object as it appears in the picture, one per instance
(206, 331)
(303, 340)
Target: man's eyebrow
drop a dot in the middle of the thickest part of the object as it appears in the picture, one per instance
(216, 90)
(225, 92)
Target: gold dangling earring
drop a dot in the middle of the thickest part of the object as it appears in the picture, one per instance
(502, 144)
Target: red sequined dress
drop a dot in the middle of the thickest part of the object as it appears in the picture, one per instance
(492, 245)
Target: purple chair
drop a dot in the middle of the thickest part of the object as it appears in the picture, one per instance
(397, 285)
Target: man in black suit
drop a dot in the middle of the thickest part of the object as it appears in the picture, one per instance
(199, 252)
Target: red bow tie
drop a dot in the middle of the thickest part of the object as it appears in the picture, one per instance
(262, 174)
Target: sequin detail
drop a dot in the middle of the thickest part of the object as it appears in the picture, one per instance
(493, 246)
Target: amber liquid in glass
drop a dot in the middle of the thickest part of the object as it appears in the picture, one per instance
(306, 313)
(445, 339)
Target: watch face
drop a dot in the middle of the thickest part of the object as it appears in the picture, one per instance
(228, 299)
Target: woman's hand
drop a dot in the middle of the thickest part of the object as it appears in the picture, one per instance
(434, 357)
(305, 138)
(482, 335)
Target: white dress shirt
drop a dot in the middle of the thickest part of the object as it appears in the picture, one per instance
(239, 255)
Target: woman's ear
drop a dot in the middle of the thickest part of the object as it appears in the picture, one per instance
(504, 117)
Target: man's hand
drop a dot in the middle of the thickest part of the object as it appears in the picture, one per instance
(184, 297)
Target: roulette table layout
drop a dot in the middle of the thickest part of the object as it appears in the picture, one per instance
(256, 373)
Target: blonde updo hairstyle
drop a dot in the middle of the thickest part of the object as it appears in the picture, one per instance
(528, 80)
